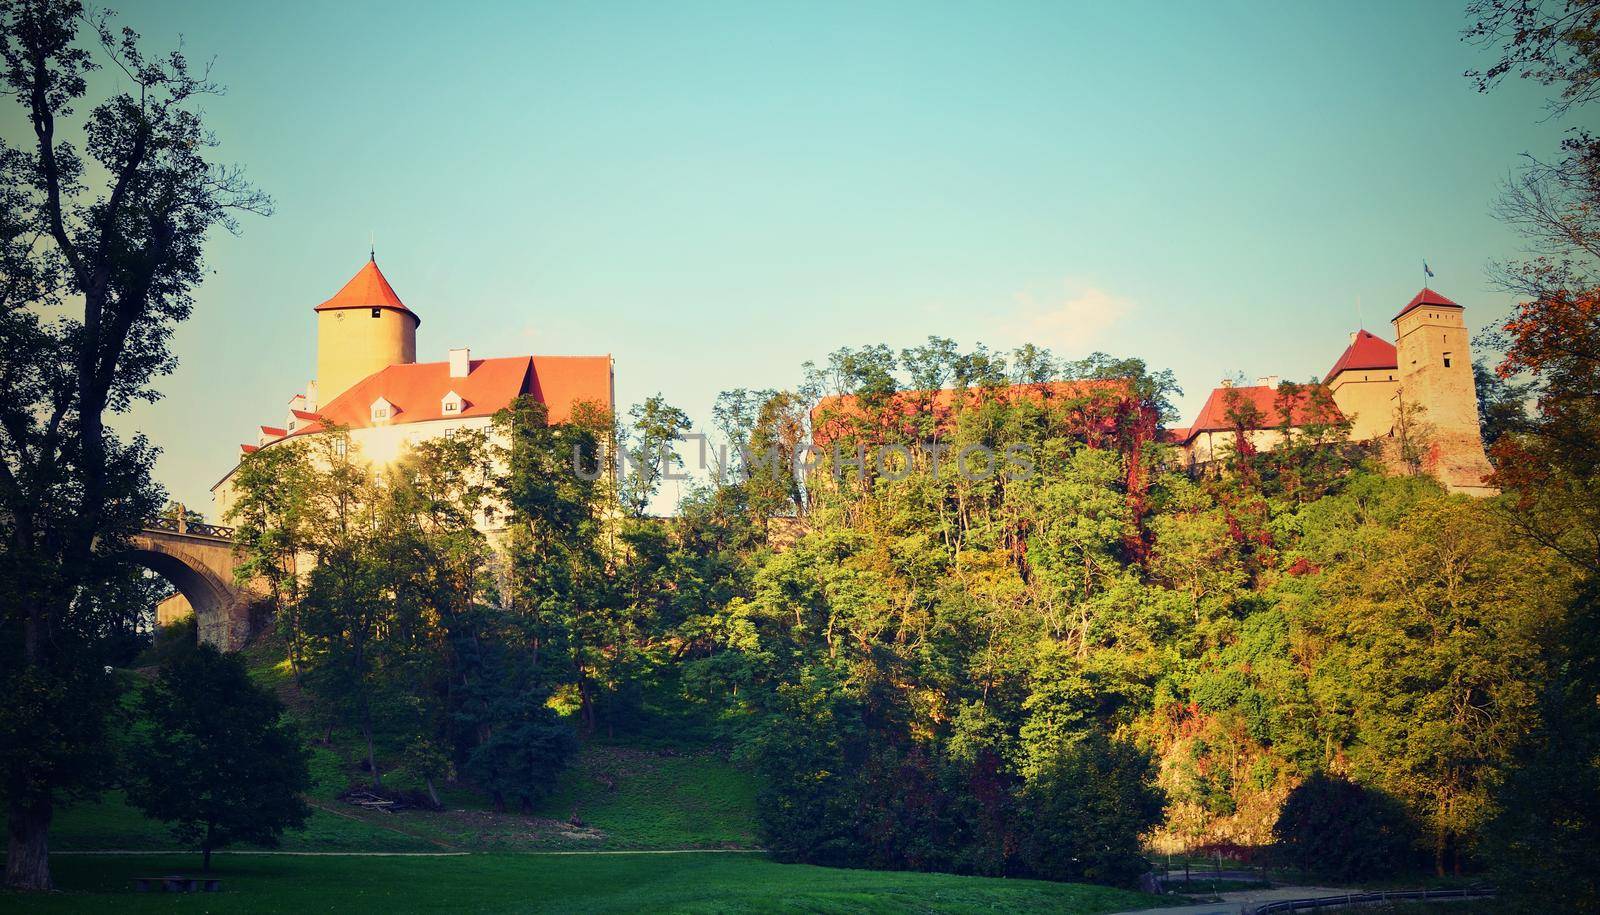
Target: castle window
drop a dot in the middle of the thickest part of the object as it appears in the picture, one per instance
(376, 312)
(451, 406)
(340, 447)
(1446, 360)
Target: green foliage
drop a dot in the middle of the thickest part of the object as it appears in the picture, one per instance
(649, 452)
(214, 758)
(175, 638)
(1338, 828)
(1086, 810)
(526, 743)
(1502, 403)
(105, 205)
(1546, 838)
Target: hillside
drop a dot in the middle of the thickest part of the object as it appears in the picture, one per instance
(626, 794)
(641, 802)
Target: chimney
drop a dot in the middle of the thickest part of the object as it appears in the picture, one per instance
(1227, 382)
(1268, 381)
(460, 362)
(311, 396)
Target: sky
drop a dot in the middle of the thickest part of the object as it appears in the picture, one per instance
(714, 193)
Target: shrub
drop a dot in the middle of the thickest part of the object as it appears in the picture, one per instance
(1338, 828)
(1085, 811)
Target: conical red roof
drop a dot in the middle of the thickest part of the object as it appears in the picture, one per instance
(1366, 351)
(367, 289)
(1425, 297)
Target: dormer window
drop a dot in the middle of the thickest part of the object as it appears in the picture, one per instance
(452, 404)
(382, 410)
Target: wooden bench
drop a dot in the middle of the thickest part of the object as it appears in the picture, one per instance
(177, 884)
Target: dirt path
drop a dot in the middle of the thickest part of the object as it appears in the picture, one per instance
(325, 808)
(418, 854)
(1234, 902)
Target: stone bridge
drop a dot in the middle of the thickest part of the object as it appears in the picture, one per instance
(198, 560)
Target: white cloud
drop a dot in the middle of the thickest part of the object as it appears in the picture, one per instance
(1070, 321)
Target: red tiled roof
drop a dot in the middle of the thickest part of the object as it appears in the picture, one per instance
(417, 390)
(367, 289)
(1425, 297)
(273, 431)
(1366, 351)
(249, 449)
(1214, 415)
(310, 417)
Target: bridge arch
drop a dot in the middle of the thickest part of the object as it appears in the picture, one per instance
(198, 560)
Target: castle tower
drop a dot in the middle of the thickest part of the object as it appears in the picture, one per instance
(1435, 363)
(1363, 383)
(364, 328)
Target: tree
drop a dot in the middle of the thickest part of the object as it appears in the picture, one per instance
(1429, 626)
(560, 601)
(1087, 810)
(650, 455)
(1337, 827)
(1550, 806)
(345, 607)
(101, 241)
(214, 758)
(270, 519)
(1502, 403)
(1413, 437)
(1546, 838)
(525, 745)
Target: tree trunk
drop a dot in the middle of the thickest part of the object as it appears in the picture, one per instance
(28, 851)
(432, 794)
(205, 850)
(1438, 852)
(372, 758)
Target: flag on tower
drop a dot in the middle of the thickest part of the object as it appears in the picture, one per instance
(1425, 269)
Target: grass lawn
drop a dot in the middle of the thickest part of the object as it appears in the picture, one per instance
(549, 883)
(628, 798)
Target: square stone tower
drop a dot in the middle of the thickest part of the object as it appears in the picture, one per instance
(1434, 352)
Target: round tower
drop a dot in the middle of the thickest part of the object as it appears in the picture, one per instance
(363, 329)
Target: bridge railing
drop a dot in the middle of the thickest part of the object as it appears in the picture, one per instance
(1352, 900)
(181, 525)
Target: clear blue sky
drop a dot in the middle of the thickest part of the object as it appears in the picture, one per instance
(716, 192)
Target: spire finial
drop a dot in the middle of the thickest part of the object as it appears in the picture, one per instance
(372, 247)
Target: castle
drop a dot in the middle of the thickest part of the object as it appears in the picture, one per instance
(370, 384)
(1421, 384)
